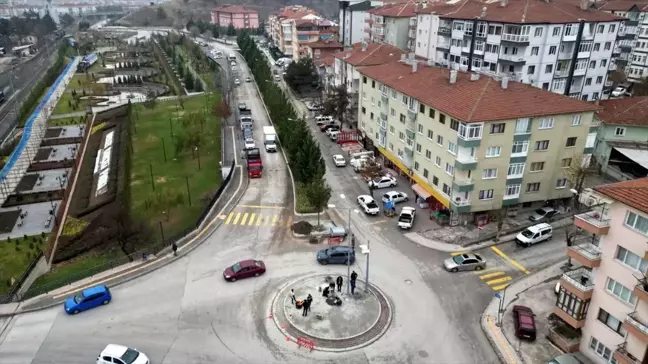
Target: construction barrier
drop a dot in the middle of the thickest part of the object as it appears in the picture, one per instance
(307, 343)
(334, 240)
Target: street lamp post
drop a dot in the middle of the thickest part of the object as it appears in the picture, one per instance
(365, 251)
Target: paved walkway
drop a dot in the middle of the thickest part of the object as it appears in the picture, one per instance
(68, 115)
(490, 317)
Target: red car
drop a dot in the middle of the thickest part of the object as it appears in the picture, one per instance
(524, 321)
(244, 269)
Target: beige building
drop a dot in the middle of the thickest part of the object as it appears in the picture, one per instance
(281, 28)
(469, 142)
(607, 296)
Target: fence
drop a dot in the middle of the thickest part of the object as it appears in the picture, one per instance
(9, 297)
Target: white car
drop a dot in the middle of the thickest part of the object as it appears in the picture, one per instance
(248, 79)
(234, 69)
(121, 355)
(323, 118)
(333, 133)
(383, 182)
(249, 144)
(368, 204)
(406, 218)
(237, 82)
(233, 64)
(618, 92)
(313, 106)
(339, 160)
(394, 196)
(277, 78)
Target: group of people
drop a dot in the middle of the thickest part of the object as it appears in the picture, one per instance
(304, 305)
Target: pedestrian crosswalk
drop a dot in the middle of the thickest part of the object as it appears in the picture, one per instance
(496, 279)
(252, 219)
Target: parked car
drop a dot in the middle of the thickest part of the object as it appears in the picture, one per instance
(333, 133)
(524, 322)
(340, 254)
(248, 79)
(88, 298)
(406, 218)
(326, 127)
(534, 234)
(120, 354)
(368, 204)
(323, 118)
(323, 123)
(249, 143)
(244, 269)
(339, 160)
(383, 182)
(569, 358)
(314, 106)
(242, 106)
(237, 82)
(466, 261)
(277, 78)
(619, 91)
(394, 196)
(542, 213)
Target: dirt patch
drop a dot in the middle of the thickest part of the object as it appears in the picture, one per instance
(53, 133)
(161, 180)
(8, 221)
(43, 154)
(27, 183)
(302, 228)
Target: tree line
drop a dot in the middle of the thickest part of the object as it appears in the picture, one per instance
(29, 24)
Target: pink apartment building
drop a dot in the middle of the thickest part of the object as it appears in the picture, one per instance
(606, 297)
(240, 17)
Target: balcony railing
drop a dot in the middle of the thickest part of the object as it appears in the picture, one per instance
(515, 38)
(636, 328)
(622, 356)
(581, 280)
(512, 57)
(445, 30)
(593, 221)
(459, 201)
(589, 255)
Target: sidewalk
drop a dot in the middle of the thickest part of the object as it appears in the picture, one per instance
(489, 319)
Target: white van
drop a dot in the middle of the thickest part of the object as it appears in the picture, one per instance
(534, 234)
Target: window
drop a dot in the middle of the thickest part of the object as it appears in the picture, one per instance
(588, 81)
(486, 194)
(512, 190)
(454, 124)
(531, 70)
(431, 113)
(515, 169)
(437, 161)
(547, 123)
(420, 129)
(556, 31)
(534, 51)
(402, 118)
(440, 140)
(435, 180)
(571, 141)
(523, 126)
(493, 152)
(446, 189)
(405, 99)
(612, 28)
(393, 112)
(607, 46)
(428, 154)
(401, 136)
(416, 166)
(611, 322)
(549, 68)
(364, 79)
(565, 162)
(576, 120)
(520, 147)
(422, 108)
(391, 147)
(425, 173)
(533, 187)
(631, 259)
(552, 50)
(470, 131)
(418, 148)
(536, 167)
(394, 95)
(442, 118)
(489, 173)
(538, 32)
(597, 47)
(364, 111)
(603, 63)
(561, 183)
(449, 169)
(599, 80)
(497, 128)
(620, 291)
(572, 305)
(452, 148)
(391, 130)
(619, 131)
(371, 116)
(430, 134)
(542, 145)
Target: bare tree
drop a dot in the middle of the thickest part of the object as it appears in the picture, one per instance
(577, 171)
(499, 216)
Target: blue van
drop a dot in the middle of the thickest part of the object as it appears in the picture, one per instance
(87, 299)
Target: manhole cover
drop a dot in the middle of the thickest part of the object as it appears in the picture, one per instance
(423, 354)
(408, 281)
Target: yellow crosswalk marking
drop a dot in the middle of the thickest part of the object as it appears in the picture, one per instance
(499, 288)
(457, 253)
(258, 221)
(499, 280)
(236, 219)
(229, 218)
(245, 216)
(275, 218)
(252, 216)
(266, 221)
(491, 275)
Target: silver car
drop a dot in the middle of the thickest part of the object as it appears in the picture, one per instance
(465, 261)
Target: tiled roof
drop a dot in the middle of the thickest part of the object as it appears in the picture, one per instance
(623, 5)
(633, 193)
(396, 10)
(376, 53)
(324, 62)
(518, 11)
(235, 9)
(291, 12)
(326, 44)
(473, 101)
(626, 111)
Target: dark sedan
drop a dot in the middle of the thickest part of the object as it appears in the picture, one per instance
(244, 269)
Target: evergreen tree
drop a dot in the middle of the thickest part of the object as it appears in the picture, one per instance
(309, 164)
(188, 81)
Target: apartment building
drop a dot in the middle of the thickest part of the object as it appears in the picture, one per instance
(621, 148)
(240, 17)
(561, 46)
(607, 295)
(308, 30)
(352, 18)
(393, 24)
(632, 42)
(469, 142)
(281, 32)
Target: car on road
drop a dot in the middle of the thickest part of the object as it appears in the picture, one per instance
(322, 118)
(542, 213)
(277, 78)
(534, 234)
(524, 322)
(383, 182)
(333, 133)
(619, 91)
(234, 69)
(465, 261)
(314, 106)
(406, 218)
(244, 269)
(233, 63)
(394, 196)
(339, 160)
(340, 254)
(87, 299)
(326, 127)
(119, 354)
(249, 143)
(242, 106)
(237, 82)
(248, 79)
(368, 205)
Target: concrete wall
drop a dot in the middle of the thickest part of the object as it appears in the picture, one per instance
(606, 133)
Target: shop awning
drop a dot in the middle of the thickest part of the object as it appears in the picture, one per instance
(639, 156)
(421, 192)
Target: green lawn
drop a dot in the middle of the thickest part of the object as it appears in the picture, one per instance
(15, 257)
(66, 121)
(153, 128)
(78, 82)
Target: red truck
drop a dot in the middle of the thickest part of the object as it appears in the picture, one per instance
(254, 163)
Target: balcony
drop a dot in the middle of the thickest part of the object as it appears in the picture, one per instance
(384, 97)
(465, 163)
(641, 291)
(609, 83)
(579, 282)
(562, 73)
(515, 38)
(612, 67)
(636, 328)
(593, 222)
(411, 114)
(443, 45)
(622, 356)
(461, 184)
(580, 72)
(589, 255)
(411, 34)
(412, 22)
(616, 50)
(460, 205)
(514, 58)
(566, 55)
(445, 31)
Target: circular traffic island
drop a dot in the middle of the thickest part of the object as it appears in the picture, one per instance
(339, 322)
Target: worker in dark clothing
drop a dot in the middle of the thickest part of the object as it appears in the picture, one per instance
(174, 246)
(354, 276)
(339, 282)
(306, 307)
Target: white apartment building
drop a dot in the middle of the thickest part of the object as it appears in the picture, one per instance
(632, 42)
(394, 24)
(352, 19)
(554, 45)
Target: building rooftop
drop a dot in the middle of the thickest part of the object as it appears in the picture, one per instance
(326, 44)
(624, 5)
(625, 111)
(518, 11)
(633, 193)
(234, 9)
(480, 100)
(374, 54)
(324, 61)
(291, 12)
(396, 10)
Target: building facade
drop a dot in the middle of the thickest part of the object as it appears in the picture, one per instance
(352, 19)
(606, 296)
(281, 29)
(310, 29)
(555, 45)
(394, 24)
(462, 142)
(241, 17)
(632, 42)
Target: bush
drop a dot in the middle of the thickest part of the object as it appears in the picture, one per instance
(303, 205)
(302, 228)
(73, 227)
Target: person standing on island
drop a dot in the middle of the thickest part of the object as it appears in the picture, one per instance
(339, 282)
(174, 246)
(292, 296)
(354, 276)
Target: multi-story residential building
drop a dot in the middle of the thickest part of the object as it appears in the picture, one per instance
(607, 295)
(241, 17)
(393, 24)
(469, 142)
(621, 148)
(282, 34)
(310, 29)
(323, 49)
(631, 48)
(348, 62)
(553, 45)
(354, 16)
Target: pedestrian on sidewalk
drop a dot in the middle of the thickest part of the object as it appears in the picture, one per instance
(354, 276)
(293, 300)
(339, 282)
(306, 306)
(174, 246)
